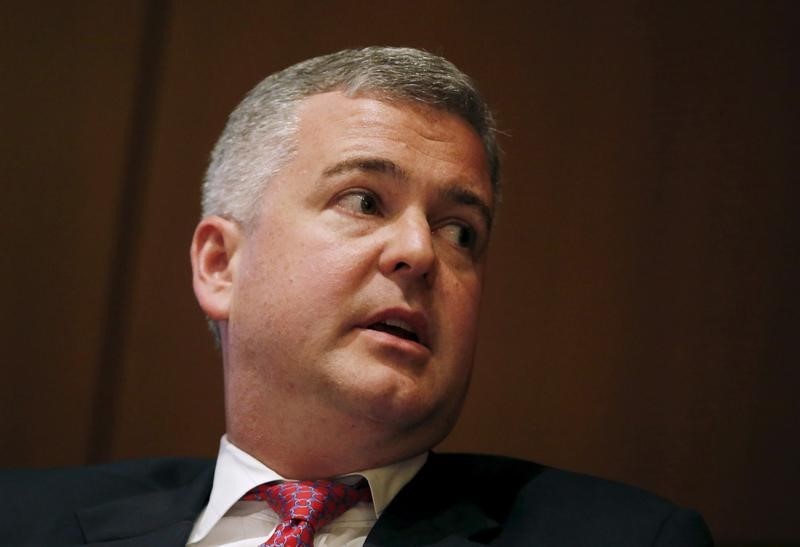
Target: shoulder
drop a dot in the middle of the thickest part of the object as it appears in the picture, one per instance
(59, 493)
(102, 481)
(562, 506)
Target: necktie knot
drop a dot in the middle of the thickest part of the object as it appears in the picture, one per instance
(306, 506)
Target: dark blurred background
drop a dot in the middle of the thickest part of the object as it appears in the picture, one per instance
(641, 314)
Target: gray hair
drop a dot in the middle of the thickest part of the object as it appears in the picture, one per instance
(258, 138)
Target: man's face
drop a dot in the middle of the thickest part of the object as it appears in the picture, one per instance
(356, 291)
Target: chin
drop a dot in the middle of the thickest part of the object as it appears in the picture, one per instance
(397, 399)
(412, 415)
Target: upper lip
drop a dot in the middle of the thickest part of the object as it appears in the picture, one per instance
(414, 319)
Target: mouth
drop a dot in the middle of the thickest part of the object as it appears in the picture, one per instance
(396, 327)
(401, 323)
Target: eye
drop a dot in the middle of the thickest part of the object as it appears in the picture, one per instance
(360, 202)
(460, 235)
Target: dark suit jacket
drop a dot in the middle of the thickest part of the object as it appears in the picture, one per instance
(455, 500)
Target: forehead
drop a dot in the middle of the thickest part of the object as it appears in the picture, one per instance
(427, 143)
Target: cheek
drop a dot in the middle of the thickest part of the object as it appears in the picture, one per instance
(465, 296)
(460, 316)
(308, 276)
(331, 270)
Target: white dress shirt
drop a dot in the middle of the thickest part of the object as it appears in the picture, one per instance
(227, 521)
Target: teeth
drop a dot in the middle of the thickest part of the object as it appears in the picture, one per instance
(399, 324)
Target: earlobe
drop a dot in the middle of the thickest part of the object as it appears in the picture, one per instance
(213, 253)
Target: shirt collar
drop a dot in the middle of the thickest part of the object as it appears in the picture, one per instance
(237, 472)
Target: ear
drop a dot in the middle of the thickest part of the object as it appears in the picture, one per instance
(215, 243)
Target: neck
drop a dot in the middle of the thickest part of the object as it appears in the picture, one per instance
(302, 453)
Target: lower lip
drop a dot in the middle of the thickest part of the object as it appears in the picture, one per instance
(413, 350)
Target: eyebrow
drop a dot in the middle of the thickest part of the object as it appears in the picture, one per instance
(454, 192)
(467, 197)
(369, 165)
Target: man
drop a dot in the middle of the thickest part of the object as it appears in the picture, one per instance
(340, 258)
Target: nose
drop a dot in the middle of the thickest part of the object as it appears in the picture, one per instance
(408, 250)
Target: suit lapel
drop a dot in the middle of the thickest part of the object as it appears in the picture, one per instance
(434, 508)
(162, 518)
(454, 526)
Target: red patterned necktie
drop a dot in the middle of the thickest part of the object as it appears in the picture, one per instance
(306, 506)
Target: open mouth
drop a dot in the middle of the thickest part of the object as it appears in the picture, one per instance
(395, 327)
